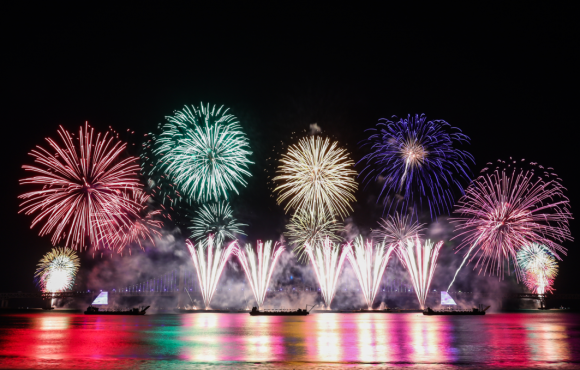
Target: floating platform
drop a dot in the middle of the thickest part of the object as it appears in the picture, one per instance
(133, 311)
(281, 312)
(472, 312)
(298, 312)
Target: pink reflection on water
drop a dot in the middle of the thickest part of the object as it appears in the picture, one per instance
(548, 342)
(429, 338)
(324, 342)
(495, 340)
(374, 339)
(508, 345)
(201, 339)
(208, 337)
(48, 340)
(380, 338)
(51, 340)
(266, 339)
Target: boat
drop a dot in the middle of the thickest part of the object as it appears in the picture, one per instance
(401, 310)
(472, 312)
(281, 312)
(91, 310)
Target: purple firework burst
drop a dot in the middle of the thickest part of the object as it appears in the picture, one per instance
(418, 163)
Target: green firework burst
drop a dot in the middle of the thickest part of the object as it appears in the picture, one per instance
(204, 152)
(216, 219)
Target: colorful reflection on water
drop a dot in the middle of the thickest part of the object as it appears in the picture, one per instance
(57, 340)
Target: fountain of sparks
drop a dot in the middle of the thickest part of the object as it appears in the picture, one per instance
(259, 265)
(420, 261)
(369, 266)
(209, 259)
(327, 261)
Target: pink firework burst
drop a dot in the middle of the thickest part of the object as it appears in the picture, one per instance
(81, 188)
(508, 207)
(144, 226)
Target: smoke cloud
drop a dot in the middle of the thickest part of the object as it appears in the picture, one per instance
(293, 283)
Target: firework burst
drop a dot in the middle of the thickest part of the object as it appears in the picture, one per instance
(509, 208)
(144, 226)
(82, 188)
(204, 152)
(395, 230)
(209, 259)
(420, 260)
(56, 271)
(259, 266)
(538, 267)
(316, 175)
(216, 219)
(419, 160)
(312, 228)
(327, 261)
(369, 265)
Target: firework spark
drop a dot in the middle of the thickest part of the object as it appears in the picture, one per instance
(56, 271)
(317, 176)
(216, 219)
(538, 266)
(509, 208)
(259, 266)
(209, 259)
(369, 266)
(420, 260)
(418, 159)
(83, 188)
(327, 261)
(204, 152)
(396, 230)
(143, 226)
(309, 227)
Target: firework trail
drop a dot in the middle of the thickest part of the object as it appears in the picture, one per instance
(395, 230)
(327, 261)
(259, 266)
(316, 176)
(82, 188)
(165, 191)
(312, 228)
(204, 152)
(509, 208)
(369, 266)
(418, 159)
(144, 226)
(420, 261)
(538, 266)
(56, 271)
(209, 259)
(216, 219)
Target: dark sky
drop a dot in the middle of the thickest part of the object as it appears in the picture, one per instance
(506, 76)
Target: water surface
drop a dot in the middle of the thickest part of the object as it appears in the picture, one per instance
(239, 341)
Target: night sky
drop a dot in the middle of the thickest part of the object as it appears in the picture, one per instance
(507, 77)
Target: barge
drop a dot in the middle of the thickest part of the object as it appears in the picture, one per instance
(473, 312)
(299, 312)
(91, 310)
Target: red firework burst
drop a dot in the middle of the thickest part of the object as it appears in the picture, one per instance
(142, 228)
(82, 188)
(509, 208)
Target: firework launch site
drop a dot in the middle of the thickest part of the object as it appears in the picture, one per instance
(289, 191)
(90, 199)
